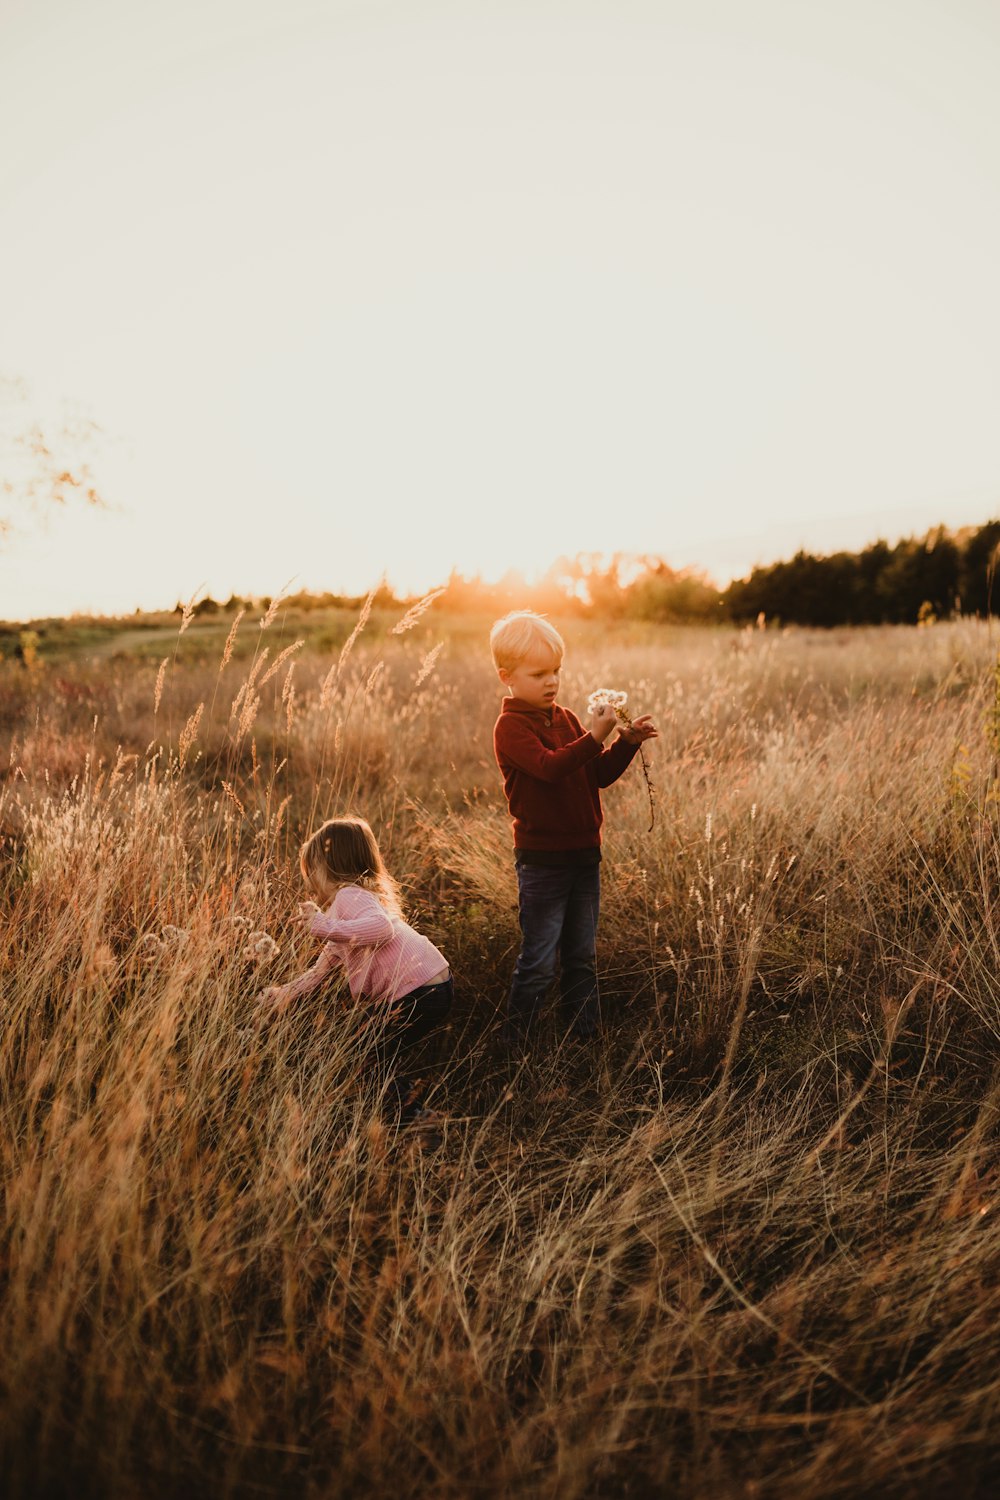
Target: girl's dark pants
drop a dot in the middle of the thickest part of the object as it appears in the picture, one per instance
(412, 1018)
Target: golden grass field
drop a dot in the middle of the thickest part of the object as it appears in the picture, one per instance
(747, 1245)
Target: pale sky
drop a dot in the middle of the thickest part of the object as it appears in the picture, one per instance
(396, 287)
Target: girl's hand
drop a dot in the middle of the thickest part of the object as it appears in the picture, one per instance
(306, 910)
(602, 722)
(316, 923)
(640, 729)
(273, 1001)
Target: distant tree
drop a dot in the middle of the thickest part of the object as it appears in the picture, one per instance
(921, 572)
(746, 598)
(384, 597)
(793, 592)
(461, 593)
(977, 579)
(602, 584)
(561, 590)
(43, 464)
(660, 593)
(867, 605)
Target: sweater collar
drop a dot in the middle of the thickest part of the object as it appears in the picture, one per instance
(518, 706)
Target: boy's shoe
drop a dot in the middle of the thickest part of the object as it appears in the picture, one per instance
(426, 1127)
(425, 1116)
(410, 1099)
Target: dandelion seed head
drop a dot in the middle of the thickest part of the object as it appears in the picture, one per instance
(607, 698)
(262, 947)
(151, 945)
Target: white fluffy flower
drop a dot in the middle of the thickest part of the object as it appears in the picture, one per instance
(263, 947)
(608, 698)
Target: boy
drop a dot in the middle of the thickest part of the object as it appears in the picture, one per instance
(553, 770)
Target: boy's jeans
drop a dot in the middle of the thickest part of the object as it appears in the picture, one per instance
(558, 907)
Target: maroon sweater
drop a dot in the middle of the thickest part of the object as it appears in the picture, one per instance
(553, 770)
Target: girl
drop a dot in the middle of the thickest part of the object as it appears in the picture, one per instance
(364, 934)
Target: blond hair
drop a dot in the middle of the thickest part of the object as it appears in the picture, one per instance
(513, 637)
(344, 851)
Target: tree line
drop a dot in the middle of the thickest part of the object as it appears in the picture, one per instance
(917, 580)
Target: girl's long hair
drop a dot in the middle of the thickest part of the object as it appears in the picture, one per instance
(344, 851)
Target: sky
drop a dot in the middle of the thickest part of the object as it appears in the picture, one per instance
(376, 288)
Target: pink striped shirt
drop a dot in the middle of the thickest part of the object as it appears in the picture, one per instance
(382, 956)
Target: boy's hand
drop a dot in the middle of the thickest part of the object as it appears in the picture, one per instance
(640, 729)
(602, 721)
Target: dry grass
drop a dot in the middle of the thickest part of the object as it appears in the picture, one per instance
(747, 1245)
